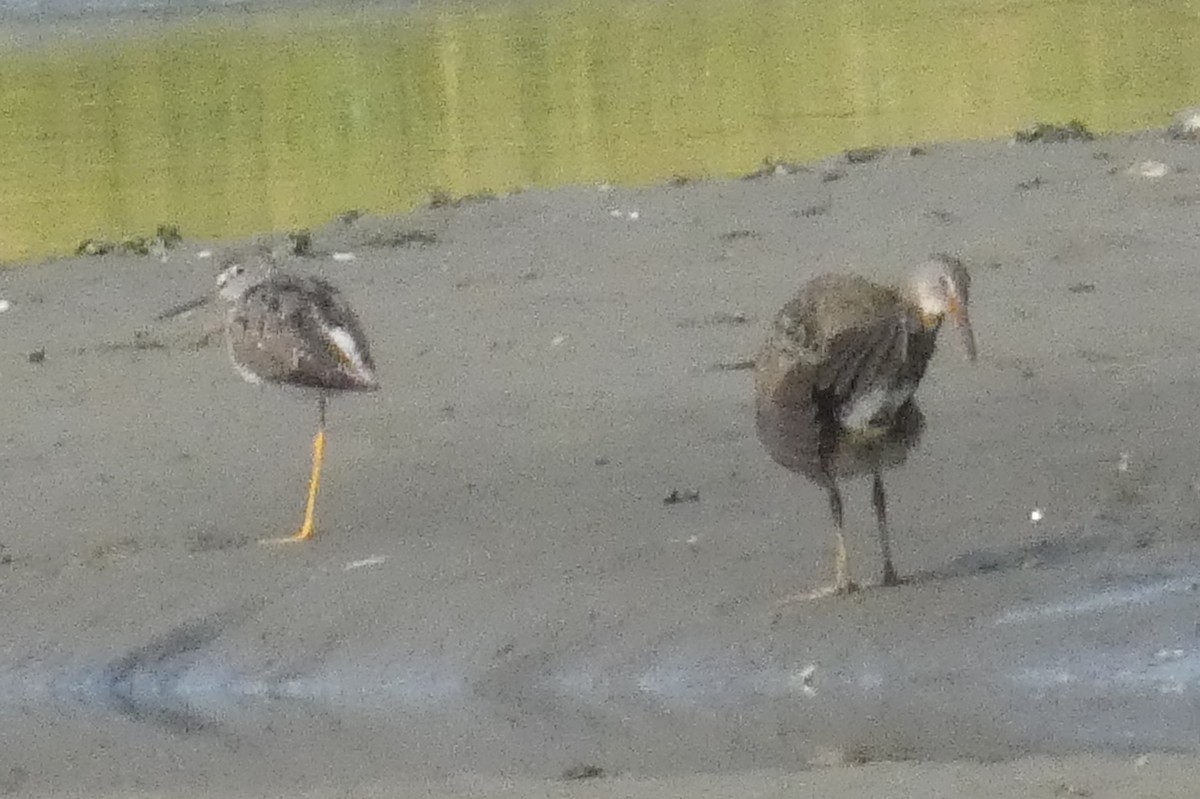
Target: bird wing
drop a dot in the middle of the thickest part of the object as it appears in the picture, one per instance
(343, 332)
(295, 330)
(864, 357)
(841, 337)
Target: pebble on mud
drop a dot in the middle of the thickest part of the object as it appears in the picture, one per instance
(676, 496)
(583, 771)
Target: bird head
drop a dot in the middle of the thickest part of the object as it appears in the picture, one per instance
(239, 272)
(940, 288)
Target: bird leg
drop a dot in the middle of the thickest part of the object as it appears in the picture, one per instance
(842, 584)
(879, 500)
(307, 527)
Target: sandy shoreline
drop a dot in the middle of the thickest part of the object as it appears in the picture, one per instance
(499, 588)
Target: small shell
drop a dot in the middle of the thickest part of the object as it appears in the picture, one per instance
(1150, 169)
(374, 560)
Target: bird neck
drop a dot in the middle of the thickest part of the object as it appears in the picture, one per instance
(930, 321)
(910, 295)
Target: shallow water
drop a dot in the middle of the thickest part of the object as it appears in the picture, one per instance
(1101, 666)
(228, 124)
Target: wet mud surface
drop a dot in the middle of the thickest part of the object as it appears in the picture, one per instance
(500, 585)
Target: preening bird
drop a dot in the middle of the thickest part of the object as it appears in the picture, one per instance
(835, 383)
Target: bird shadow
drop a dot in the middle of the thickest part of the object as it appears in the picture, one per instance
(1038, 554)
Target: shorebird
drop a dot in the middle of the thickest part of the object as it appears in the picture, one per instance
(295, 331)
(836, 378)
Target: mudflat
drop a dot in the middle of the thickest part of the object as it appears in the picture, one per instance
(550, 548)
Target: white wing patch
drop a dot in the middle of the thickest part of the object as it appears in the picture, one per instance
(859, 415)
(341, 338)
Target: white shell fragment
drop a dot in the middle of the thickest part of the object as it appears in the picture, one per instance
(1036, 515)
(1150, 169)
(802, 680)
(617, 213)
(374, 560)
(5, 305)
(343, 257)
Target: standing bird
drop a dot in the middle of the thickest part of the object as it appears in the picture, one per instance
(835, 380)
(295, 331)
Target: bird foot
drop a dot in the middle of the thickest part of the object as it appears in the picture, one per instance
(295, 538)
(840, 588)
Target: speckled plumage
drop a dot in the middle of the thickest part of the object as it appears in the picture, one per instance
(282, 330)
(840, 339)
(296, 331)
(835, 381)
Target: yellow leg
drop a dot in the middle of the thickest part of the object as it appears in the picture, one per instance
(314, 484)
(307, 528)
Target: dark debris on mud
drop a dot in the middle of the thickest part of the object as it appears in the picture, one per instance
(440, 198)
(810, 211)
(774, 167)
(1047, 132)
(165, 237)
(863, 155)
(406, 238)
(678, 496)
(583, 771)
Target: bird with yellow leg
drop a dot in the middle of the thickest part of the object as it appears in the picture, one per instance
(294, 331)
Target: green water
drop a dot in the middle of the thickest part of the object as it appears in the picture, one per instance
(255, 122)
